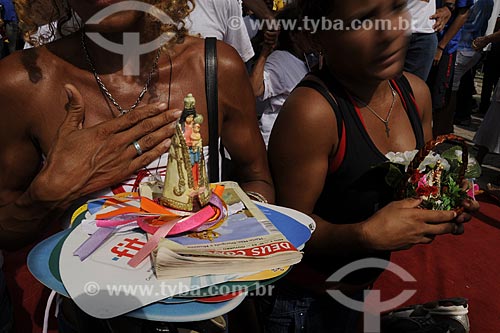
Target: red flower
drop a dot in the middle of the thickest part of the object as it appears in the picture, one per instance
(415, 177)
(425, 191)
(434, 190)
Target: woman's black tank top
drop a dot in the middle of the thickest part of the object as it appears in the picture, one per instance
(354, 190)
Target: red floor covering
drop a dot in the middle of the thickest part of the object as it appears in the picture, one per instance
(457, 266)
(466, 266)
(29, 297)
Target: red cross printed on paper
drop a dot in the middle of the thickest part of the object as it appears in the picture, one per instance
(127, 248)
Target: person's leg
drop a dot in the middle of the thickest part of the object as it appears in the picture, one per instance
(420, 54)
(464, 62)
(491, 72)
(326, 315)
(482, 151)
(440, 86)
(245, 318)
(292, 310)
(463, 85)
(3, 49)
(464, 99)
(12, 32)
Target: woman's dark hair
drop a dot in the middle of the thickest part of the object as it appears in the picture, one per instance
(298, 10)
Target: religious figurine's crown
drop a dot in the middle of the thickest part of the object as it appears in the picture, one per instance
(189, 102)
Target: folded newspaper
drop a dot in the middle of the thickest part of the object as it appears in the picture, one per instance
(246, 242)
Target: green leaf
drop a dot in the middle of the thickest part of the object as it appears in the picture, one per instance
(473, 168)
(394, 176)
(450, 154)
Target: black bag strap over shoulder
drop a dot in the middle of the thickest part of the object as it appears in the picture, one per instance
(211, 90)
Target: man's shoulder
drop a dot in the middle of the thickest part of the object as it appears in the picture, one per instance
(22, 68)
(193, 49)
(13, 71)
(25, 78)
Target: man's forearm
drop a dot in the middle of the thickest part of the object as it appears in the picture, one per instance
(262, 187)
(257, 76)
(338, 239)
(455, 27)
(493, 38)
(23, 219)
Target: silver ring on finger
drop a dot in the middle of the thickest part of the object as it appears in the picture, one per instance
(137, 147)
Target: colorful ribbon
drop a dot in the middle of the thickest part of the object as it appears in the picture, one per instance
(93, 242)
(157, 221)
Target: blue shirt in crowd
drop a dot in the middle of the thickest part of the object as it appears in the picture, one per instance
(453, 44)
(476, 24)
(9, 10)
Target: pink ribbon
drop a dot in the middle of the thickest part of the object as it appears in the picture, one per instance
(186, 224)
(216, 201)
(196, 222)
(152, 243)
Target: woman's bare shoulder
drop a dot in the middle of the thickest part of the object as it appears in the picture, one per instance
(311, 106)
(419, 87)
(420, 91)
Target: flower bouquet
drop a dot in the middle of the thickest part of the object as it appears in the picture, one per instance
(436, 173)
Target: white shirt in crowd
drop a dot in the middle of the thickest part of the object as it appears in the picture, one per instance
(282, 72)
(223, 20)
(252, 25)
(210, 18)
(420, 11)
(70, 26)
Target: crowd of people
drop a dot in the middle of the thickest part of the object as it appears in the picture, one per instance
(10, 34)
(303, 117)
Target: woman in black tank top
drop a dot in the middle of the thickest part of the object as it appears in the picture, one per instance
(335, 127)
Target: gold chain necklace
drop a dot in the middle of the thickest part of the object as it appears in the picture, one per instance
(105, 90)
(386, 120)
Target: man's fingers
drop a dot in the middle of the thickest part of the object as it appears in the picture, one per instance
(442, 229)
(470, 205)
(437, 216)
(409, 203)
(75, 108)
(459, 229)
(132, 118)
(427, 239)
(162, 124)
(150, 156)
(463, 218)
(151, 140)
